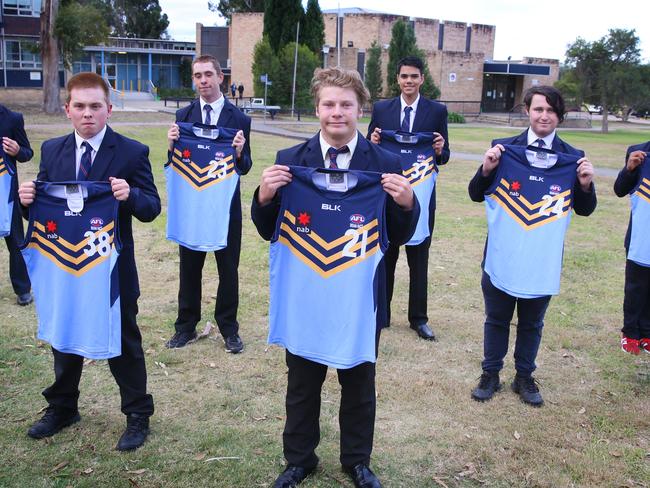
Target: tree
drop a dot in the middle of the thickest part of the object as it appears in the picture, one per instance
(373, 71)
(141, 18)
(265, 62)
(313, 32)
(402, 44)
(605, 69)
(50, 57)
(283, 83)
(76, 26)
(280, 19)
(226, 8)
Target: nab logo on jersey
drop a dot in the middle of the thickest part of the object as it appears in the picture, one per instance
(303, 221)
(330, 207)
(186, 154)
(96, 223)
(515, 186)
(357, 221)
(51, 228)
(536, 178)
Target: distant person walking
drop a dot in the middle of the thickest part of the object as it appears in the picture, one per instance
(233, 89)
(240, 89)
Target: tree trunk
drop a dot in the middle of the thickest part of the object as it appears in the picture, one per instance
(605, 128)
(50, 58)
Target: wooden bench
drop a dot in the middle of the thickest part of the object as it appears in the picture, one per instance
(178, 100)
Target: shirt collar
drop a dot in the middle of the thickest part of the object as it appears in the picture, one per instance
(217, 105)
(95, 141)
(324, 145)
(414, 105)
(548, 140)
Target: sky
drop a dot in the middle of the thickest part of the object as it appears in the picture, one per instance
(520, 31)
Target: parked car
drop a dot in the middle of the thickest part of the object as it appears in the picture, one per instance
(594, 109)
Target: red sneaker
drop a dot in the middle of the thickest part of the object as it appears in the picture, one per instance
(630, 345)
(645, 344)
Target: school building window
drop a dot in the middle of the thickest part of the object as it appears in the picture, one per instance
(29, 8)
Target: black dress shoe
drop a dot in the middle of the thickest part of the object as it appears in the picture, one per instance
(54, 420)
(424, 332)
(488, 385)
(24, 299)
(362, 476)
(526, 388)
(181, 339)
(137, 430)
(234, 344)
(292, 476)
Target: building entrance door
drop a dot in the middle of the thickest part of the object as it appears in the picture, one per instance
(110, 74)
(498, 93)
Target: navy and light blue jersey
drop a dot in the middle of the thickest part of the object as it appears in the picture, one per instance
(528, 212)
(639, 249)
(418, 160)
(71, 257)
(201, 181)
(323, 264)
(7, 173)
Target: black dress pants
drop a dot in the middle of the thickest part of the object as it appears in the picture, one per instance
(128, 369)
(17, 269)
(190, 289)
(356, 414)
(636, 303)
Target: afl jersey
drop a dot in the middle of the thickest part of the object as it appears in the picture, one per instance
(323, 264)
(639, 248)
(201, 181)
(71, 250)
(528, 212)
(6, 198)
(418, 161)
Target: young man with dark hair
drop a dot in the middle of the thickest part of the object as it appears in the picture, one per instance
(544, 105)
(632, 180)
(411, 112)
(338, 95)
(125, 164)
(16, 148)
(212, 108)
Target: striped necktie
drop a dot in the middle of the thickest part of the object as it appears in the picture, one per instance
(86, 162)
(406, 123)
(332, 153)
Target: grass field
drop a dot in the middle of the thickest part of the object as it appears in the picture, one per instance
(219, 418)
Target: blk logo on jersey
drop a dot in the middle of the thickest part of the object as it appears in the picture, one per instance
(202, 175)
(530, 215)
(354, 243)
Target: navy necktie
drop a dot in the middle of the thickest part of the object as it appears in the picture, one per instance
(332, 153)
(540, 143)
(86, 162)
(208, 110)
(406, 123)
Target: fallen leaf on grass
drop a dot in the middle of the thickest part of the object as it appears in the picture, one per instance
(221, 458)
(138, 471)
(206, 331)
(200, 456)
(615, 453)
(87, 471)
(517, 435)
(582, 410)
(470, 470)
(257, 419)
(440, 482)
(59, 466)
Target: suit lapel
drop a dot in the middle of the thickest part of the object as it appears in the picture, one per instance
(360, 158)
(103, 158)
(226, 115)
(421, 114)
(396, 111)
(68, 159)
(313, 156)
(196, 117)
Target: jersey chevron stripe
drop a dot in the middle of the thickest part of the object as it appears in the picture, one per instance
(197, 170)
(74, 247)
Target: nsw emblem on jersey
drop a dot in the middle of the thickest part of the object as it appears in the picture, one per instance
(530, 215)
(78, 256)
(355, 243)
(203, 174)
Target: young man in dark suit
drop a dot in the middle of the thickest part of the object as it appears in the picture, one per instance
(339, 96)
(16, 147)
(545, 108)
(214, 109)
(411, 112)
(125, 163)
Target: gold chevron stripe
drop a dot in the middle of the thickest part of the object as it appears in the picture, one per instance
(47, 243)
(645, 197)
(337, 269)
(336, 242)
(197, 168)
(421, 180)
(3, 171)
(505, 196)
(317, 254)
(533, 206)
(551, 218)
(213, 181)
(67, 269)
(75, 247)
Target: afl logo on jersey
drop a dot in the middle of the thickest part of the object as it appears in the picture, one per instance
(357, 220)
(219, 155)
(96, 223)
(422, 158)
(554, 189)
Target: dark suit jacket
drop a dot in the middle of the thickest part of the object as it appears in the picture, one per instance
(626, 181)
(367, 157)
(13, 126)
(584, 202)
(123, 158)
